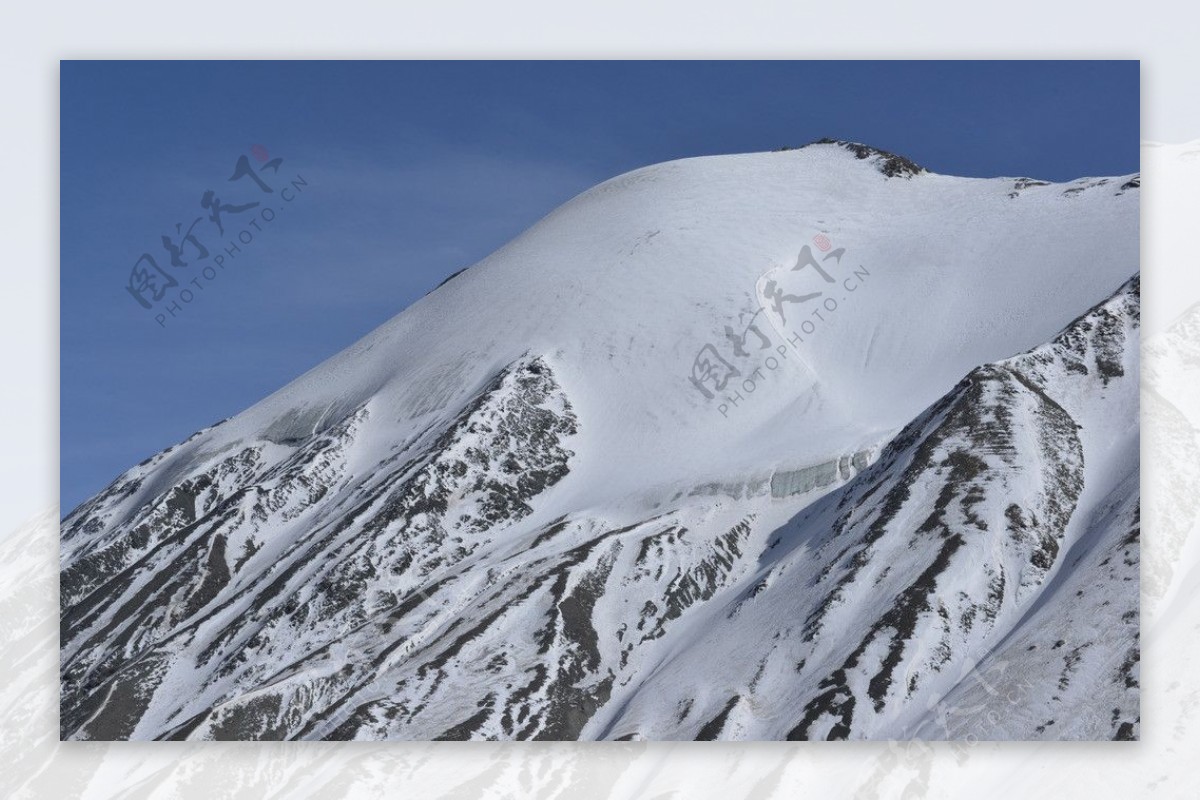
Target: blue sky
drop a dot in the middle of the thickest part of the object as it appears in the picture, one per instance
(413, 170)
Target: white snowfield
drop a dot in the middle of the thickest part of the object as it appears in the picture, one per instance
(804, 444)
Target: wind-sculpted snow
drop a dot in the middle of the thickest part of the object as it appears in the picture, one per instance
(547, 532)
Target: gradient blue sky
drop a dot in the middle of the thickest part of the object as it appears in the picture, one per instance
(418, 169)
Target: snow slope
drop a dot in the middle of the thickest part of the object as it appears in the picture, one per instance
(737, 446)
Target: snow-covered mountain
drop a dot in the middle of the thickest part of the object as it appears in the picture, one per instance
(805, 444)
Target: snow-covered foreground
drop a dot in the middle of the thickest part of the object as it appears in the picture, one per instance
(803, 444)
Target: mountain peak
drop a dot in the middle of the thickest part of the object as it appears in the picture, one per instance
(890, 164)
(637, 475)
